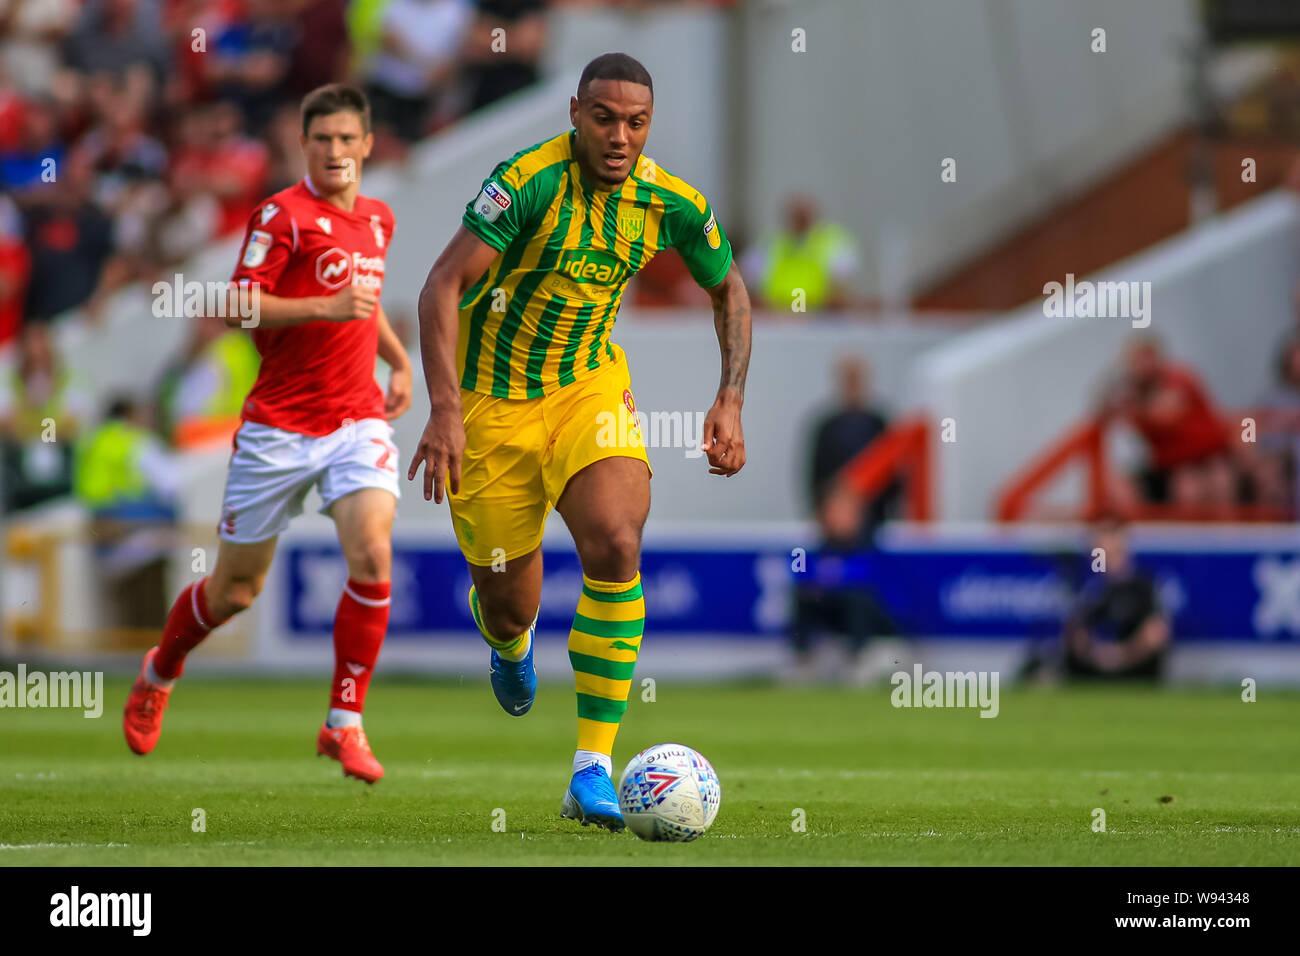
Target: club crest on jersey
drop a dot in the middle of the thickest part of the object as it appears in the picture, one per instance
(631, 223)
(491, 202)
(334, 268)
(629, 402)
(268, 212)
(711, 233)
(378, 228)
(259, 244)
(325, 224)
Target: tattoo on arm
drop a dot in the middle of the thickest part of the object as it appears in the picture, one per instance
(731, 319)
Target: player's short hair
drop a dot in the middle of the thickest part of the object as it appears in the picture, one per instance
(335, 98)
(615, 66)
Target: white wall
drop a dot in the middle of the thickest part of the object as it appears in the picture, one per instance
(1008, 88)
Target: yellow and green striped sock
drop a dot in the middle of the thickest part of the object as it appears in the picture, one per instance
(603, 646)
(515, 649)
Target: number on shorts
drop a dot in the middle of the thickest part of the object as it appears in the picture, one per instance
(383, 463)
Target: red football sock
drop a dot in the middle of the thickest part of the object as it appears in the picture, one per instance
(187, 625)
(359, 628)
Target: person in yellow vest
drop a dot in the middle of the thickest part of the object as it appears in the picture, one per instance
(204, 391)
(122, 471)
(124, 475)
(41, 410)
(806, 266)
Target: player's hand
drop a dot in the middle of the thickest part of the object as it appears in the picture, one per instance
(351, 302)
(398, 399)
(442, 446)
(723, 439)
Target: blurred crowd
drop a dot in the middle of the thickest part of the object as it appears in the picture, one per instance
(1200, 462)
(134, 132)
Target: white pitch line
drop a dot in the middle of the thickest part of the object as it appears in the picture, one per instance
(56, 846)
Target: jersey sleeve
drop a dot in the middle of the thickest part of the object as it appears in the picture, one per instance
(699, 239)
(499, 213)
(269, 243)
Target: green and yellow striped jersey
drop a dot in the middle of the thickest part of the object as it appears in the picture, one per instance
(539, 318)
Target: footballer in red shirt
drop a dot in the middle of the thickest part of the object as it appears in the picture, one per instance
(312, 266)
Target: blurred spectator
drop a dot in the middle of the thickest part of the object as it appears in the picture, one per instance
(1117, 628)
(809, 254)
(15, 269)
(118, 150)
(26, 168)
(1272, 461)
(823, 602)
(250, 63)
(31, 32)
(288, 165)
(1186, 437)
(408, 74)
(70, 241)
(215, 157)
(321, 51)
(365, 20)
(41, 413)
(838, 439)
(112, 36)
(126, 478)
(502, 48)
(206, 386)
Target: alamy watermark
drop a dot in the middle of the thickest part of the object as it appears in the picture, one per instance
(127, 910)
(637, 429)
(80, 690)
(1111, 300)
(946, 689)
(179, 299)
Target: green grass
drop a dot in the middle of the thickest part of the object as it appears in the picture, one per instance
(878, 785)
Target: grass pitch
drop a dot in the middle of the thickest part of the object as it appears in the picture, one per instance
(1184, 777)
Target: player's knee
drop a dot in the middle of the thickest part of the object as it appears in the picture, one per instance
(613, 554)
(505, 620)
(234, 596)
(371, 561)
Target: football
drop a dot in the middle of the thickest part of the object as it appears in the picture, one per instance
(669, 793)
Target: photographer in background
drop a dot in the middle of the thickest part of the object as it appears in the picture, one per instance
(1117, 628)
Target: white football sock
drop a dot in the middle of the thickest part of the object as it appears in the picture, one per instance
(585, 758)
(342, 718)
(152, 677)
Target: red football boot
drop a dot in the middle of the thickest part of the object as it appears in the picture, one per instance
(143, 714)
(348, 745)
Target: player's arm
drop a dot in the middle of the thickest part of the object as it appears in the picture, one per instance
(443, 443)
(391, 350)
(253, 308)
(270, 244)
(723, 438)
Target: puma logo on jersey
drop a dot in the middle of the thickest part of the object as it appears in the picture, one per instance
(268, 212)
(325, 224)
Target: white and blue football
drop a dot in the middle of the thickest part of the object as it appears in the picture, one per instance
(669, 793)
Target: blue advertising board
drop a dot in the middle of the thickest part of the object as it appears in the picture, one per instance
(1245, 593)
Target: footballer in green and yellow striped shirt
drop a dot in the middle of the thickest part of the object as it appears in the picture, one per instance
(523, 381)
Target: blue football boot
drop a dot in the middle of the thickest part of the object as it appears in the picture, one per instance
(514, 682)
(591, 799)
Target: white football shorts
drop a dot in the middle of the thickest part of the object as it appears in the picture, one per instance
(272, 470)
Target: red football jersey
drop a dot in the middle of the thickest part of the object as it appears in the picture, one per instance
(315, 375)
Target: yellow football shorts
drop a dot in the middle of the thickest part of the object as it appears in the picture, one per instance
(521, 452)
